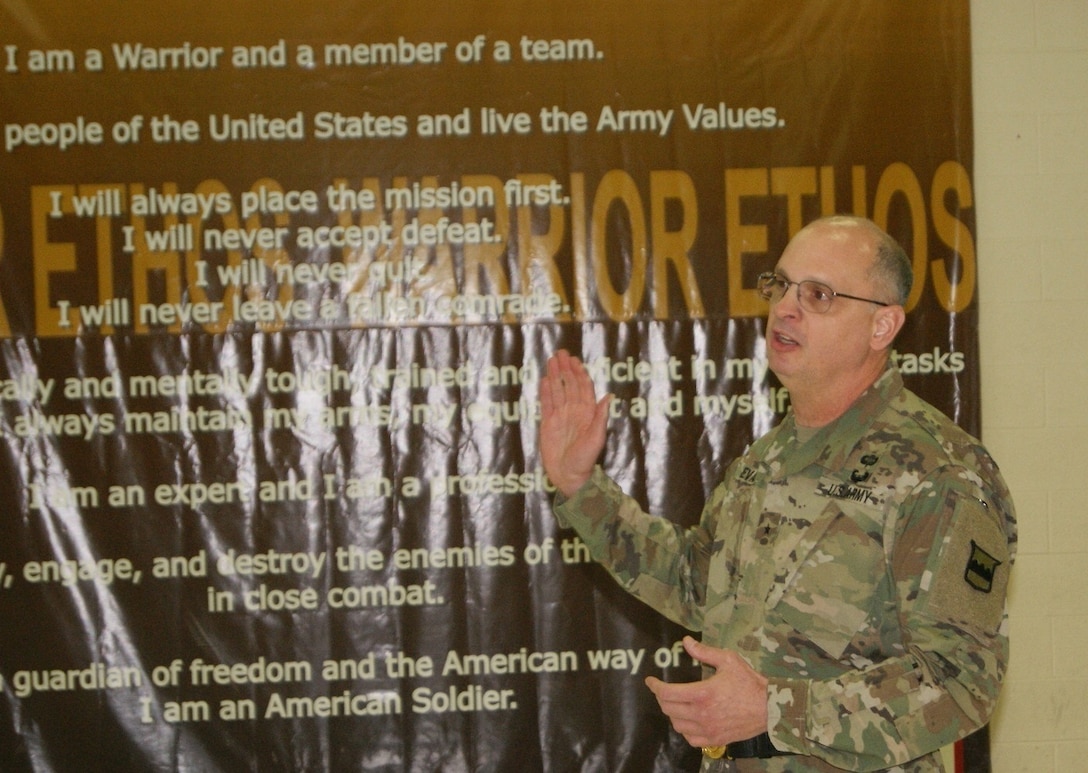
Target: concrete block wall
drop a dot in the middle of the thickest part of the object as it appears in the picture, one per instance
(1030, 77)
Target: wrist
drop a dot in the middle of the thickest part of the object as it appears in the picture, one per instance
(570, 486)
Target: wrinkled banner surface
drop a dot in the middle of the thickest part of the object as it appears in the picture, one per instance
(276, 287)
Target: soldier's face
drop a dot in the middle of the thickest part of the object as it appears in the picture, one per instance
(828, 350)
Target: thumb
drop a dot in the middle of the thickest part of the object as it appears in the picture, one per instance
(705, 654)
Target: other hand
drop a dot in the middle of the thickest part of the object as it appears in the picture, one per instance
(729, 706)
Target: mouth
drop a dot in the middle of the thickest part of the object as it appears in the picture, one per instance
(781, 340)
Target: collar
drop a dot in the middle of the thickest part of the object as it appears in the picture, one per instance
(832, 444)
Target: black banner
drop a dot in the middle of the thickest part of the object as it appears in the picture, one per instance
(276, 289)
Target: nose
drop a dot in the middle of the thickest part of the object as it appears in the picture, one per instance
(789, 305)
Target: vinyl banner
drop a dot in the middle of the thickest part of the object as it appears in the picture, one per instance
(278, 282)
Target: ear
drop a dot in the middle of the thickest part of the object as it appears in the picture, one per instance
(887, 322)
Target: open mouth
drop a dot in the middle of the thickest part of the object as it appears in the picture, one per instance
(785, 340)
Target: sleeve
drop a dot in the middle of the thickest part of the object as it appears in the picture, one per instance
(951, 549)
(651, 557)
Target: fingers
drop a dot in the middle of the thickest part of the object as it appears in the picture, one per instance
(677, 693)
(688, 707)
(552, 390)
(704, 653)
(551, 377)
(566, 370)
(686, 704)
(566, 381)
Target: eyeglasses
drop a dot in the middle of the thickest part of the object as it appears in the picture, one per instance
(813, 296)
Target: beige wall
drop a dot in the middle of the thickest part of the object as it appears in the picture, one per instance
(1031, 193)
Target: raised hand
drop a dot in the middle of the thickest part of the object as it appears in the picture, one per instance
(572, 427)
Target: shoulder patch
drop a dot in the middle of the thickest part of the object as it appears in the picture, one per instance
(969, 569)
(981, 567)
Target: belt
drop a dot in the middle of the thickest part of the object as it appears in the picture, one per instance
(760, 746)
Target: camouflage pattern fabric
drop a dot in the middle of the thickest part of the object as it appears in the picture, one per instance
(862, 570)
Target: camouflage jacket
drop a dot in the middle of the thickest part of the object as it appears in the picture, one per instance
(862, 570)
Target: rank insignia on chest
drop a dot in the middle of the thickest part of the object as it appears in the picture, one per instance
(860, 476)
(981, 567)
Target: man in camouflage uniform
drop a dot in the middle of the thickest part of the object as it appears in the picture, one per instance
(849, 574)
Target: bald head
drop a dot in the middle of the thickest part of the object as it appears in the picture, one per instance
(891, 271)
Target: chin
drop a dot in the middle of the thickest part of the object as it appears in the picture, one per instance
(783, 366)
(777, 361)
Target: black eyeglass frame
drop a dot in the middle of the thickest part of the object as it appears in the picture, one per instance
(768, 279)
